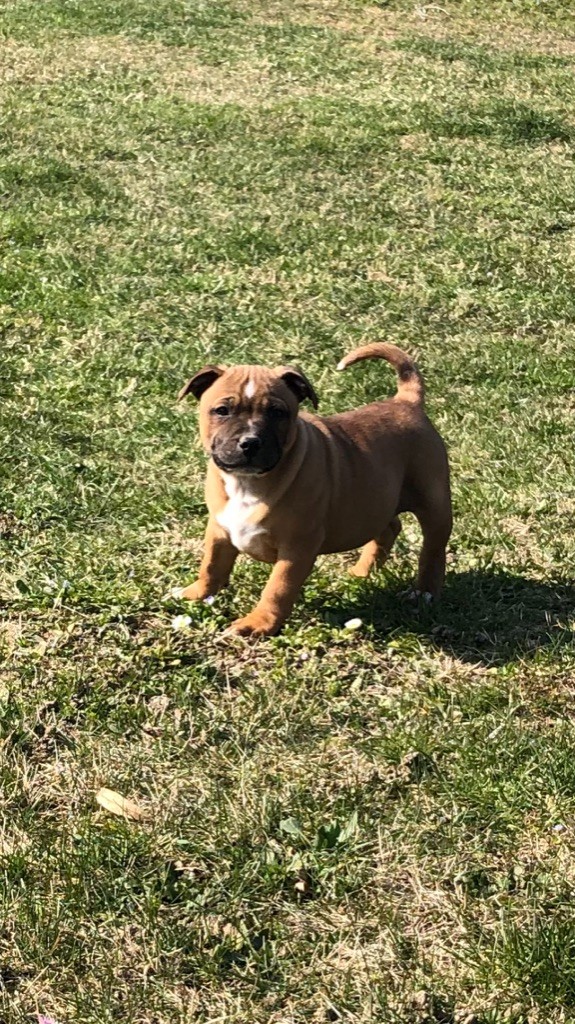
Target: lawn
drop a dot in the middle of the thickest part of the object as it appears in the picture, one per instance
(358, 826)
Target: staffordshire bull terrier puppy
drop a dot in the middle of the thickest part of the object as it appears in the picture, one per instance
(285, 486)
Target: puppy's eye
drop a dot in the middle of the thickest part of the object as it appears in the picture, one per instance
(221, 410)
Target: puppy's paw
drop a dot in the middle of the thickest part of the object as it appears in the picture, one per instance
(419, 596)
(197, 591)
(255, 624)
(359, 571)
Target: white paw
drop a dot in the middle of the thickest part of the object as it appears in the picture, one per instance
(419, 595)
(353, 624)
(179, 594)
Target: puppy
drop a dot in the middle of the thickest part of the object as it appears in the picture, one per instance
(284, 486)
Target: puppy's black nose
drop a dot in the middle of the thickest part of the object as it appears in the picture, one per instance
(250, 444)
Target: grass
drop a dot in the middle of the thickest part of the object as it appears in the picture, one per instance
(365, 827)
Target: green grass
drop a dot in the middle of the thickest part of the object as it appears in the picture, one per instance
(365, 827)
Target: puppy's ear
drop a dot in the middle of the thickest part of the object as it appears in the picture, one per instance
(299, 384)
(201, 381)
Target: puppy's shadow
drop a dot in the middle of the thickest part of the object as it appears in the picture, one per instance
(491, 617)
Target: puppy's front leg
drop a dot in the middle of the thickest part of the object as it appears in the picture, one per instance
(217, 564)
(274, 606)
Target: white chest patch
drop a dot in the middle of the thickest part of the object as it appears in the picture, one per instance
(236, 517)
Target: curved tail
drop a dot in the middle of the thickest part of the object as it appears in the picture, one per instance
(410, 382)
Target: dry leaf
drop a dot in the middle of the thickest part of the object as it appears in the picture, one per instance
(115, 803)
(191, 870)
(304, 883)
(230, 932)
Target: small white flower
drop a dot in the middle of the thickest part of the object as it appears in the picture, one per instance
(353, 624)
(559, 828)
(181, 622)
(209, 600)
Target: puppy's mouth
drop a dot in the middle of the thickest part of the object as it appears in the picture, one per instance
(243, 467)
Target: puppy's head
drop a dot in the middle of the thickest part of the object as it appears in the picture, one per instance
(248, 414)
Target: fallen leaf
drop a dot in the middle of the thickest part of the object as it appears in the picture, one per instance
(115, 803)
(231, 933)
(191, 870)
(304, 884)
(291, 826)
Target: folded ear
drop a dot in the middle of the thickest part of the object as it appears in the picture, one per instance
(201, 381)
(299, 384)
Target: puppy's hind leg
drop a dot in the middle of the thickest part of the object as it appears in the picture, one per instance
(377, 551)
(436, 522)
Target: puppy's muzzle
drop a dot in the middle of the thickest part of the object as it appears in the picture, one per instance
(250, 445)
(248, 454)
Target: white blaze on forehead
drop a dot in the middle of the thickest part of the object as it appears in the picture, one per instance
(250, 389)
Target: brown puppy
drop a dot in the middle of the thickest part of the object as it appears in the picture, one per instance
(284, 486)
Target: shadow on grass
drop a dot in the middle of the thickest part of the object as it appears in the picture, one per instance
(483, 58)
(512, 122)
(490, 617)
